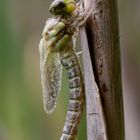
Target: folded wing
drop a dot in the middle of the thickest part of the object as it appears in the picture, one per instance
(50, 75)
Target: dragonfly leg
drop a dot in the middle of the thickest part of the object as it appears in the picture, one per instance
(58, 28)
(79, 54)
(62, 43)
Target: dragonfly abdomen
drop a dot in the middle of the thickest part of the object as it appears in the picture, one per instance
(76, 102)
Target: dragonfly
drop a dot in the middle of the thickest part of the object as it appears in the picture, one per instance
(57, 49)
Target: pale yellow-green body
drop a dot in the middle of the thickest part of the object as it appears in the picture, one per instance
(57, 50)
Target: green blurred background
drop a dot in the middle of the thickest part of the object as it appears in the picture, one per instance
(21, 109)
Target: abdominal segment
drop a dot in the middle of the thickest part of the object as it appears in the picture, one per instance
(76, 98)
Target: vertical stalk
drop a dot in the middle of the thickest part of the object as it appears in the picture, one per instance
(96, 126)
(103, 40)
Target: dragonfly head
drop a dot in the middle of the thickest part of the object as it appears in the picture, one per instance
(62, 7)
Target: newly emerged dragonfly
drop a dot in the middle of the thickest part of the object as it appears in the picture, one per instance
(56, 50)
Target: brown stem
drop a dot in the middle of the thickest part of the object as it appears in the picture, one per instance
(103, 39)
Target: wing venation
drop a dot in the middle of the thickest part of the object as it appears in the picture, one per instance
(50, 75)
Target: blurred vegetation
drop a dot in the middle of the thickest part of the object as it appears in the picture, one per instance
(21, 109)
(129, 13)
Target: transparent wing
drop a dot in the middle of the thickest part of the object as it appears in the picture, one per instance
(51, 72)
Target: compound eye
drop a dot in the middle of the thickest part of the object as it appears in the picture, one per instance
(61, 4)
